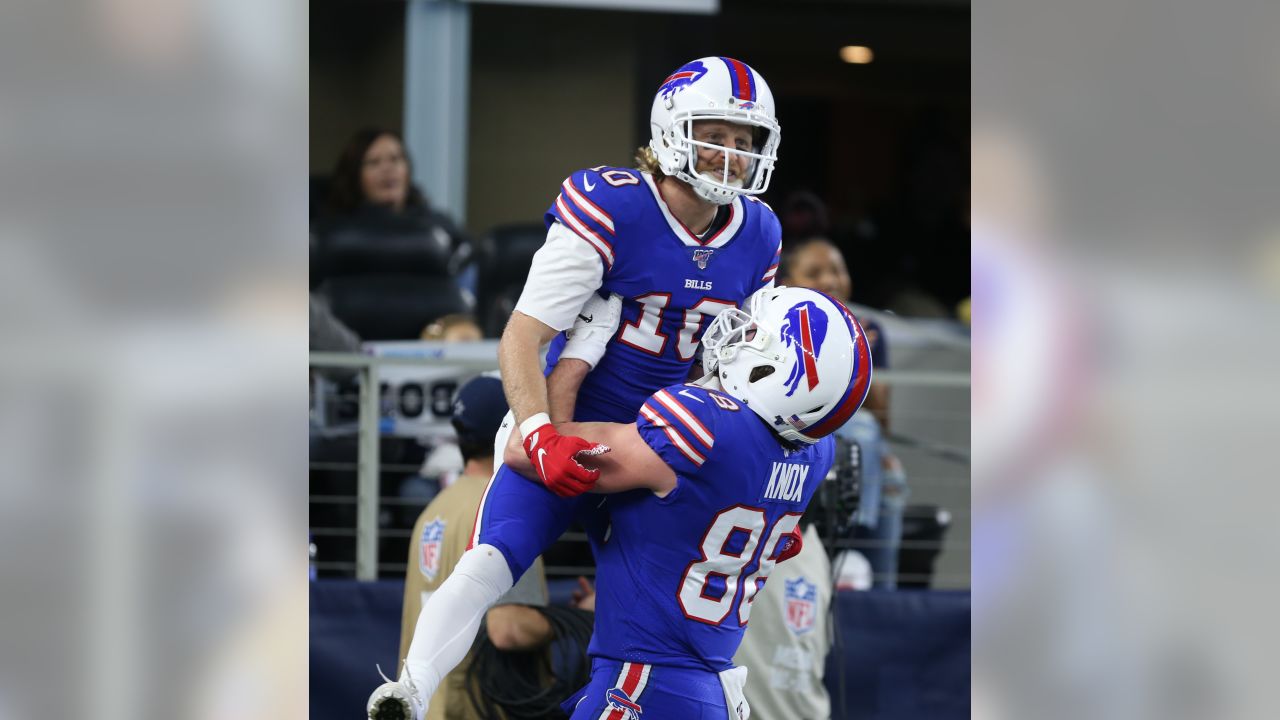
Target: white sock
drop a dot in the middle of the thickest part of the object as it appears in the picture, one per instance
(451, 617)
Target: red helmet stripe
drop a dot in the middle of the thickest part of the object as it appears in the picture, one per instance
(740, 74)
(859, 383)
(806, 344)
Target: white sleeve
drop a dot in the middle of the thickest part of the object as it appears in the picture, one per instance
(565, 271)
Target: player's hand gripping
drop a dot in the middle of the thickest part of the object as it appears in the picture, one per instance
(790, 545)
(555, 460)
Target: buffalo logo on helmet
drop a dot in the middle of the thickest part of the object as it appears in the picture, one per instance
(682, 78)
(804, 330)
(620, 700)
(801, 605)
(701, 256)
(429, 553)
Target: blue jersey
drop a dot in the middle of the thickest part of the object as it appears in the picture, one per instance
(672, 282)
(676, 575)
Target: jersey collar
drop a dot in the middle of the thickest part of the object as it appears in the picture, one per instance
(736, 216)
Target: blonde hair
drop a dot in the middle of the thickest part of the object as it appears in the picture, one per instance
(647, 161)
(437, 329)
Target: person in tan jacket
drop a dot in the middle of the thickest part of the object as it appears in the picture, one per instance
(442, 534)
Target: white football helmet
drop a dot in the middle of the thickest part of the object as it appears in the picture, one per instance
(714, 88)
(795, 356)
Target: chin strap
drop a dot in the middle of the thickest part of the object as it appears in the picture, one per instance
(710, 381)
(716, 196)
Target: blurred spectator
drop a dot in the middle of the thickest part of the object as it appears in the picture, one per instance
(817, 263)
(374, 220)
(329, 334)
(852, 571)
(803, 215)
(373, 171)
(442, 534)
(443, 461)
(441, 467)
(456, 327)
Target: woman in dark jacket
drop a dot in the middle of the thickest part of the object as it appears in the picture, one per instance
(372, 199)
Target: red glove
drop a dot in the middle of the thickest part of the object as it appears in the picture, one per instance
(554, 458)
(790, 544)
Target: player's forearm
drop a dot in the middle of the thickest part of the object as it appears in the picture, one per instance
(877, 403)
(518, 358)
(514, 457)
(562, 388)
(630, 463)
(607, 433)
(514, 628)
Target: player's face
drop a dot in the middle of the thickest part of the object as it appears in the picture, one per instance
(384, 175)
(821, 267)
(711, 162)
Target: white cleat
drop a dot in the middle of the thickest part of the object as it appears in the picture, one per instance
(396, 700)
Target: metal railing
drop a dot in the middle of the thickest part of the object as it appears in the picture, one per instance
(367, 465)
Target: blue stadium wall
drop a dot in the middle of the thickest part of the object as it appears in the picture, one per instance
(901, 655)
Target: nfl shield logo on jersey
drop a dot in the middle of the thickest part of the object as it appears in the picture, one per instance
(801, 605)
(429, 555)
(701, 257)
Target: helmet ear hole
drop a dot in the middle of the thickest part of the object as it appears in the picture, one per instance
(760, 372)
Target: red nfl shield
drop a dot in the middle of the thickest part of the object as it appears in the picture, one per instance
(801, 605)
(429, 554)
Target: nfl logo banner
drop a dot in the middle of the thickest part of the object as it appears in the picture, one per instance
(429, 555)
(801, 606)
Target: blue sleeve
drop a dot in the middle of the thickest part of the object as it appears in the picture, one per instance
(593, 203)
(679, 423)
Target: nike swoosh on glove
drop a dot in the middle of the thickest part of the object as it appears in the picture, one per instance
(554, 457)
(790, 544)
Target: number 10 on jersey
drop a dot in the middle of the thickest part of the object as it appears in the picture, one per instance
(646, 334)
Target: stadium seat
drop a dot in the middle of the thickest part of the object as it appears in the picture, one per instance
(924, 530)
(393, 306)
(382, 244)
(317, 191)
(505, 255)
